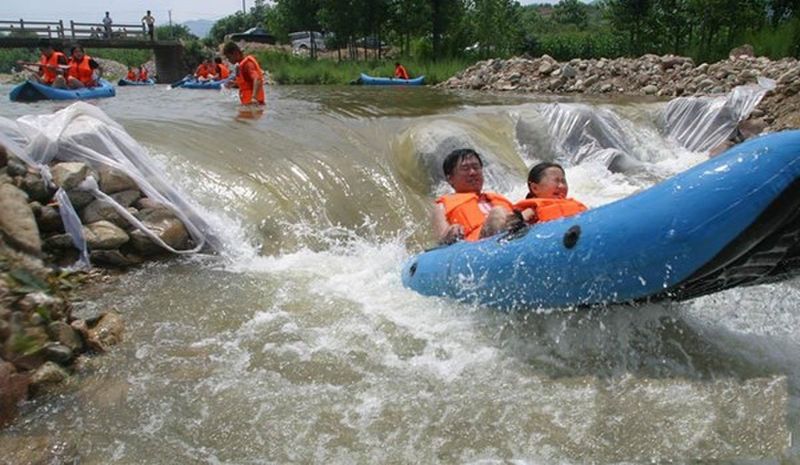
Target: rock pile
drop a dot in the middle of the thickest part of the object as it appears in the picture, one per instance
(660, 76)
(40, 341)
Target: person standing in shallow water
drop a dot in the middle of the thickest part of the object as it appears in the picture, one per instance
(469, 213)
(249, 75)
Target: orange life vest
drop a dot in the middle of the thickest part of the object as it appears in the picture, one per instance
(400, 72)
(82, 71)
(551, 209)
(246, 84)
(49, 73)
(202, 71)
(143, 74)
(464, 209)
(222, 71)
(132, 76)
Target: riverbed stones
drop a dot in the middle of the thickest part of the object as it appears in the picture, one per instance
(68, 175)
(17, 222)
(164, 224)
(113, 180)
(104, 235)
(13, 390)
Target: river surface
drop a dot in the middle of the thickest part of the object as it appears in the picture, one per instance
(297, 343)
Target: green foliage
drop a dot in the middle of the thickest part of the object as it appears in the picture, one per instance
(289, 69)
(174, 32)
(567, 45)
(9, 58)
(128, 57)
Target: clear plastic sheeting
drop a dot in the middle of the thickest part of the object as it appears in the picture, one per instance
(581, 133)
(83, 133)
(702, 123)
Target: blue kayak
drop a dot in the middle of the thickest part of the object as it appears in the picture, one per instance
(195, 84)
(733, 220)
(30, 91)
(146, 82)
(384, 81)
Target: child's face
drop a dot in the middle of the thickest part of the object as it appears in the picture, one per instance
(553, 185)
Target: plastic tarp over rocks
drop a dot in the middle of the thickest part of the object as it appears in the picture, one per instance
(701, 123)
(83, 133)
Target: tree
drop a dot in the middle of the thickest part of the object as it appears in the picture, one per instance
(174, 32)
(632, 17)
(571, 12)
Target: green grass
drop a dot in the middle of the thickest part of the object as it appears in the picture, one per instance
(777, 43)
(289, 69)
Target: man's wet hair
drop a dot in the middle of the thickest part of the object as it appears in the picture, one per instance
(454, 157)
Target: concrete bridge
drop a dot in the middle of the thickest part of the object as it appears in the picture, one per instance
(32, 34)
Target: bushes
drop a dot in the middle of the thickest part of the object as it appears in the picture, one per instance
(565, 46)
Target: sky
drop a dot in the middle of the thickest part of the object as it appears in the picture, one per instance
(128, 11)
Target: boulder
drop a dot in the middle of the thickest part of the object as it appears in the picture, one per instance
(165, 225)
(16, 167)
(650, 89)
(99, 210)
(13, 390)
(48, 219)
(113, 180)
(745, 50)
(115, 258)
(33, 184)
(65, 335)
(106, 331)
(69, 174)
(104, 235)
(48, 374)
(17, 222)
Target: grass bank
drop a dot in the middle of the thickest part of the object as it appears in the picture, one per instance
(289, 69)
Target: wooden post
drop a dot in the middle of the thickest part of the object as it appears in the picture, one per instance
(60, 28)
(72, 28)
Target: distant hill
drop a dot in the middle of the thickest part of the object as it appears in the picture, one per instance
(199, 27)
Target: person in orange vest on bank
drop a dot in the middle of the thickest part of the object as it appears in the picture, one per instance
(84, 71)
(547, 195)
(400, 71)
(249, 75)
(143, 75)
(222, 71)
(469, 213)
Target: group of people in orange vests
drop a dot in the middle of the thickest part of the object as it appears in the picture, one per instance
(56, 70)
(212, 70)
(80, 70)
(247, 74)
(472, 214)
(137, 74)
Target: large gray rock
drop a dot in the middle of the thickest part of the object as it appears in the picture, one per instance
(49, 219)
(35, 187)
(99, 210)
(165, 225)
(65, 335)
(115, 258)
(17, 222)
(113, 180)
(104, 235)
(69, 174)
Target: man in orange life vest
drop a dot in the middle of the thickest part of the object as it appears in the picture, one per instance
(249, 75)
(469, 213)
(204, 71)
(84, 71)
(52, 65)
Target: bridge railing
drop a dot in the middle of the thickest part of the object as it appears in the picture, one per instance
(98, 31)
(49, 29)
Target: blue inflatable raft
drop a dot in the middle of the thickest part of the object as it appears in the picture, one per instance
(30, 91)
(385, 81)
(146, 82)
(733, 220)
(195, 84)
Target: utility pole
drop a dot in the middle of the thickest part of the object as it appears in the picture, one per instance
(244, 11)
(169, 12)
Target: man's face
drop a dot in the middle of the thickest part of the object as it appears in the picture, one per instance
(467, 176)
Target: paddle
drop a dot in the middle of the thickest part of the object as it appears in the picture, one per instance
(30, 63)
(180, 81)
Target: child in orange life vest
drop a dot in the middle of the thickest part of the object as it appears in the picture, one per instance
(547, 195)
(469, 213)
(133, 74)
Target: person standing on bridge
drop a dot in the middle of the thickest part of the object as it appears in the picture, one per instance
(150, 21)
(107, 22)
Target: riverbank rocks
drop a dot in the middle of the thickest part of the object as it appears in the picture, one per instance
(41, 343)
(30, 218)
(664, 76)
